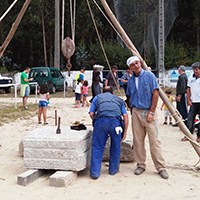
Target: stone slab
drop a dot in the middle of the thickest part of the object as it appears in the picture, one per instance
(68, 139)
(75, 164)
(62, 178)
(29, 176)
(51, 153)
(44, 149)
(127, 154)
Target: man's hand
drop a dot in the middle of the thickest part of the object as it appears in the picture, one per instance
(91, 115)
(150, 117)
(178, 98)
(125, 116)
(189, 103)
(124, 137)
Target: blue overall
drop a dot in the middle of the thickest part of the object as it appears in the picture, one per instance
(99, 138)
(107, 108)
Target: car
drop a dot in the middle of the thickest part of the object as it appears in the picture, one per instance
(49, 75)
(6, 83)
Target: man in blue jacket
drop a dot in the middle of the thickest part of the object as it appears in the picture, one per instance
(106, 111)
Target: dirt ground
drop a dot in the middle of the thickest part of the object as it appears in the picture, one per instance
(183, 183)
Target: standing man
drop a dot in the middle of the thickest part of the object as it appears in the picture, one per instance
(106, 111)
(143, 91)
(193, 98)
(112, 78)
(181, 93)
(124, 79)
(96, 79)
(25, 88)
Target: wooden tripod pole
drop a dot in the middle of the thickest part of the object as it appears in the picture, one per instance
(163, 96)
(14, 27)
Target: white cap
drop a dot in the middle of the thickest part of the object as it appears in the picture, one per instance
(132, 59)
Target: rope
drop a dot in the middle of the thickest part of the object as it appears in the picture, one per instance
(8, 10)
(194, 168)
(102, 44)
(73, 14)
(63, 17)
(109, 21)
(73, 36)
(128, 46)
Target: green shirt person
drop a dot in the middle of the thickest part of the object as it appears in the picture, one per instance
(25, 89)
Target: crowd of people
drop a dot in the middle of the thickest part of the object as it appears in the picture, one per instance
(110, 117)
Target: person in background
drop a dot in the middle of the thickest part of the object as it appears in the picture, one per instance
(124, 79)
(82, 77)
(43, 103)
(112, 78)
(85, 93)
(25, 88)
(193, 99)
(96, 88)
(143, 91)
(78, 92)
(181, 94)
(106, 111)
(167, 114)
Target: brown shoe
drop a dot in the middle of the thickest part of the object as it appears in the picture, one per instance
(198, 140)
(184, 139)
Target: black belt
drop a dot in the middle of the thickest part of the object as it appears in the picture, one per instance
(111, 117)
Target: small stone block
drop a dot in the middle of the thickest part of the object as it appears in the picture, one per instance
(21, 149)
(29, 176)
(62, 178)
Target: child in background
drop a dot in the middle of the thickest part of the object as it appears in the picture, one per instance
(78, 91)
(85, 93)
(43, 103)
(166, 111)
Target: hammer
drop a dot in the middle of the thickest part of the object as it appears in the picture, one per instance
(58, 131)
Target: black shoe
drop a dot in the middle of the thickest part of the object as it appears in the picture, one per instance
(94, 178)
(164, 122)
(139, 171)
(174, 125)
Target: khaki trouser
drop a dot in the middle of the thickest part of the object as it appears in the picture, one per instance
(140, 128)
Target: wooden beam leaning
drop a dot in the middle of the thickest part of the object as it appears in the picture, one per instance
(14, 28)
(163, 96)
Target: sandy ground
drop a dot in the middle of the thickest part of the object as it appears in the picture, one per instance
(182, 184)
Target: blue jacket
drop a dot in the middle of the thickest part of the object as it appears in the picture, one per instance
(107, 104)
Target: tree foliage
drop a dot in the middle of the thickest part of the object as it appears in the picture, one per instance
(26, 47)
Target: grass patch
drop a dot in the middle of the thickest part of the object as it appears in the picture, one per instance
(9, 114)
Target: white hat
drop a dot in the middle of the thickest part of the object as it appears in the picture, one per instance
(132, 59)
